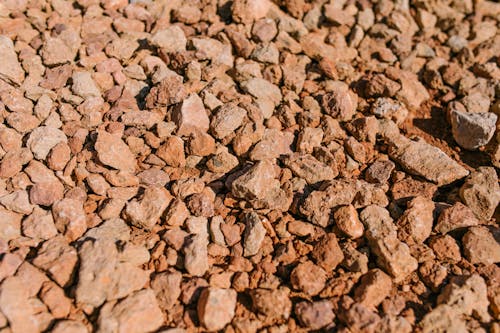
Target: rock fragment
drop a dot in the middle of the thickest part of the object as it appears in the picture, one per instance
(216, 307)
(392, 254)
(480, 247)
(254, 234)
(472, 130)
(455, 217)
(146, 211)
(274, 304)
(112, 151)
(43, 139)
(191, 116)
(315, 315)
(374, 287)
(139, 312)
(422, 159)
(309, 278)
(481, 192)
(11, 71)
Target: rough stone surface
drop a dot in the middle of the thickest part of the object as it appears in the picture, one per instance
(472, 130)
(423, 159)
(481, 192)
(216, 308)
(112, 151)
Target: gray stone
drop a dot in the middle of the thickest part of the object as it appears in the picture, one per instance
(472, 130)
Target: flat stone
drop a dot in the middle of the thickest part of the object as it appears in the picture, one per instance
(422, 159)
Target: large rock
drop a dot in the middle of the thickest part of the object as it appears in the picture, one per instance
(422, 159)
(472, 130)
(467, 295)
(11, 70)
(112, 151)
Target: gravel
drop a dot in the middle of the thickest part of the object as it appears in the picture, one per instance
(249, 166)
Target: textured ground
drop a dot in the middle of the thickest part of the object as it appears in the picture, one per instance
(249, 166)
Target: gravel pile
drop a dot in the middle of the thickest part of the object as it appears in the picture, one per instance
(249, 166)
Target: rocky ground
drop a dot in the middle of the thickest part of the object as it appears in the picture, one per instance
(249, 166)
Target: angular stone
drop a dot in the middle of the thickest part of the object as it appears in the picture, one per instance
(69, 326)
(308, 278)
(467, 295)
(84, 86)
(257, 183)
(190, 116)
(15, 306)
(455, 217)
(415, 225)
(480, 247)
(422, 159)
(263, 90)
(309, 168)
(139, 313)
(481, 192)
(275, 304)
(472, 130)
(146, 212)
(11, 70)
(112, 151)
(273, 144)
(42, 139)
(392, 255)
(103, 277)
(315, 315)
(11, 225)
(70, 218)
(171, 39)
(167, 287)
(196, 255)
(58, 259)
(216, 307)
(169, 91)
(340, 103)
(254, 234)
(374, 287)
(327, 252)
(226, 120)
(46, 193)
